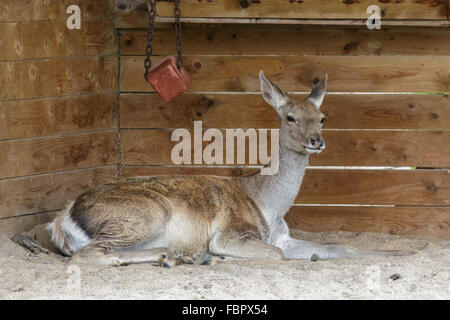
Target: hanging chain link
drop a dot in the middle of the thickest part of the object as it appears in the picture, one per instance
(177, 14)
(151, 5)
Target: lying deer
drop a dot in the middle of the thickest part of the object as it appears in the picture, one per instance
(165, 219)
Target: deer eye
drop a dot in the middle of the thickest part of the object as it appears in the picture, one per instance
(290, 119)
(322, 120)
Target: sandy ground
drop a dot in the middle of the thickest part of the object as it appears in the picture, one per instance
(426, 275)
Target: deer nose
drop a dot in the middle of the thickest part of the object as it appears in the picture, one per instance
(317, 141)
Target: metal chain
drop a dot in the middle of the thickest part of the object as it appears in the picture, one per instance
(177, 14)
(151, 5)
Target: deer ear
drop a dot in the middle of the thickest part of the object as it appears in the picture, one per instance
(317, 94)
(272, 94)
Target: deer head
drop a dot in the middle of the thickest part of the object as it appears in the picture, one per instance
(301, 123)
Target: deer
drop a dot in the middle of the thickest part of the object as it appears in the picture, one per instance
(168, 220)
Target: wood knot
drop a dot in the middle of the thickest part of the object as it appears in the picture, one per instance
(244, 3)
(431, 187)
(122, 6)
(205, 102)
(237, 172)
(351, 46)
(197, 65)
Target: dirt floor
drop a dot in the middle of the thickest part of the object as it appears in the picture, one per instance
(426, 275)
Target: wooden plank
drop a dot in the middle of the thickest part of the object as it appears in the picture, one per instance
(11, 42)
(94, 9)
(46, 38)
(307, 9)
(97, 37)
(290, 40)
(343, 148)
(41, 155)
(346, 73)
(309, 22)
(51, 116)
(318, 9)
(374, 148)
(29, 10)
(43, 39)
(57, 77)
(251, 111)
(374, 187)
(13, 226)
(48, 192)
(139, 19)
(391, 187)
(427, 221)
(19, 41)
(34, 10)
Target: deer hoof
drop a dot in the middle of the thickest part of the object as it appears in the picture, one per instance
(167, 261)
(315, 257)
(207, 261)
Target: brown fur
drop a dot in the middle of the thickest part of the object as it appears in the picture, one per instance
(127, 213)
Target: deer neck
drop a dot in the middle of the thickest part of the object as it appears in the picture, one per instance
(275, 194)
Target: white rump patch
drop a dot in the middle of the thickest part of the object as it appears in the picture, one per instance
(63, 227)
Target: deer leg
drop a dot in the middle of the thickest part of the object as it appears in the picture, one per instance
(300, 249)
(244, 245)
(36, 240)
(28, 243)
(95, 255)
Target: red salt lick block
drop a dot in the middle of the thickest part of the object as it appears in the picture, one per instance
(167, 80)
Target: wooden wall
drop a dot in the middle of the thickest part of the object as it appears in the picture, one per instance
(75, 111)
(325, 12)
(386, 165)
(58, 107)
